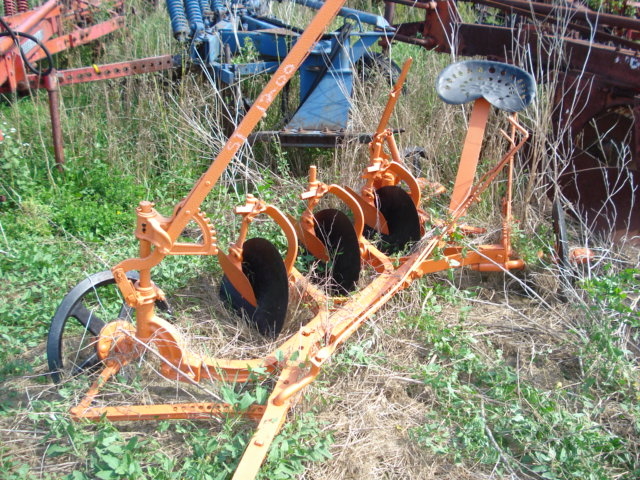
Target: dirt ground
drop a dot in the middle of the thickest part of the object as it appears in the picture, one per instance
(369, 405)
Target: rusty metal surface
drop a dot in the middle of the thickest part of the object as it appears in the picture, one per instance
(600, 72)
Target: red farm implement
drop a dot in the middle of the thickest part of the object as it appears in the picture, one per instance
(28, 36)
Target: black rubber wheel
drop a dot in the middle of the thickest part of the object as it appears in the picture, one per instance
(336, 231)
(264, 267)
(402, 218)
(71, 344)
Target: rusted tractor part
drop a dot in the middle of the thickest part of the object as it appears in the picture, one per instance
(596, 110)
(325, 233)
(28, 36)
(602, 178)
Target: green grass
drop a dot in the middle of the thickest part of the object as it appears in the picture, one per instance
(488, 415)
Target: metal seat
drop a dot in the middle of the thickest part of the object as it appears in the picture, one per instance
(504, 86)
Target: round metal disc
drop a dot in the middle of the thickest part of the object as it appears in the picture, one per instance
(609, 135)
(504, 86)
(264, 267)
(337, 233)
(402, 218)
(604, 198)
(603, 175)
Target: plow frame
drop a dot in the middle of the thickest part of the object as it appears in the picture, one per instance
(298, 360)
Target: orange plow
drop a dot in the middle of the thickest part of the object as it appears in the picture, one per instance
(385, 229)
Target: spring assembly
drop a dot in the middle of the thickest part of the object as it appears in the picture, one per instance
(194, 14)
(10, 8)
(206, 9)
(179, 23)
(23, 6)
(218, 7)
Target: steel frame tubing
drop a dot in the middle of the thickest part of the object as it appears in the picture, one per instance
(46, 22)
(94, 73)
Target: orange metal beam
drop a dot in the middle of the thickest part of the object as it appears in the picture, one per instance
(175, 411)
(470, 153)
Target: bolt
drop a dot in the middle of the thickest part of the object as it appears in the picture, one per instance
(146, 206)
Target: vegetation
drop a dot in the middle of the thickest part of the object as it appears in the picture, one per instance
(461, 376)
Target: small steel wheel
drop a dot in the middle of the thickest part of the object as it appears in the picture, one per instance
(336, 231)
(95, 301)
(265, 270)
(402, 218)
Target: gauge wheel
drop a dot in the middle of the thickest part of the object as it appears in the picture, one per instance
(74, 330)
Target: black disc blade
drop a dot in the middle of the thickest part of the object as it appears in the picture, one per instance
(264, 267)
(337, 233)
(402, 218)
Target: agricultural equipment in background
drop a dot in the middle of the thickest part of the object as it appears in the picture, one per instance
(28, 36)
(596, 57)
(218, 31)
(381, 233)
(46, 30)
(215, 33)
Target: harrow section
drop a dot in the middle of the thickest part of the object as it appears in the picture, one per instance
(382, 227)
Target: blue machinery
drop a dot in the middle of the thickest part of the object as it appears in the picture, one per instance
(216, 31)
